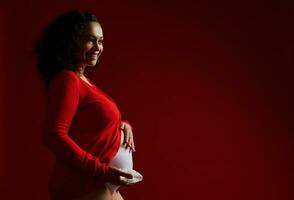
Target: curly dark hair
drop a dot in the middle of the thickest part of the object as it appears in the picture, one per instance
(59, 43)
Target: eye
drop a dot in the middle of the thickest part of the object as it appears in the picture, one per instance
(90, 40)
(100, 41)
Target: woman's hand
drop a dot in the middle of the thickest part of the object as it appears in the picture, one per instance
(128, 135)
(114, 176)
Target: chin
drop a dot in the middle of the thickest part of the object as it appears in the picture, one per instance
(91, 64)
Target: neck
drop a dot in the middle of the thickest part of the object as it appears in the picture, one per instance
(80, 71)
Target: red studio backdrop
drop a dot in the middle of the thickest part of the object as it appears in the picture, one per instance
(205, 84)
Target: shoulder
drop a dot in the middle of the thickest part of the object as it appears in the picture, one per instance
(68, 74)
(65, 77)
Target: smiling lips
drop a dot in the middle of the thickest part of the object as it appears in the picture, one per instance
(93, 56)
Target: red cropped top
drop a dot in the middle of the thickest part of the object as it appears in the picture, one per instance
(82, 129)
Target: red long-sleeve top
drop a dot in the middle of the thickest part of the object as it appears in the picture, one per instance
(82, 129)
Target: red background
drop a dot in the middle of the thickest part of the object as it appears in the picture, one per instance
(206, 86)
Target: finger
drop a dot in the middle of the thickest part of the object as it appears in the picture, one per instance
(125, 136)
(127, 133)
(125, 174)
(130, 144)
(126, 182)
(130, 136)
(127, 145)
(133, 145)
(130, 149)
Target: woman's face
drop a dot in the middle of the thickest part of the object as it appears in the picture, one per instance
(91, 45)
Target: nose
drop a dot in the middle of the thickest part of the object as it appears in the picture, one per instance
(97, 46)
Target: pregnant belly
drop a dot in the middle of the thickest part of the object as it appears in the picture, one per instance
(123, 158)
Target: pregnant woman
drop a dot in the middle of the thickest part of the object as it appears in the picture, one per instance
(83, 127)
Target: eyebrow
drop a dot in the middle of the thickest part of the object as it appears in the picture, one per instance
(90, 35)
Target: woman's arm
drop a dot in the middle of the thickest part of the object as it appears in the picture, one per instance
(63, 99)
